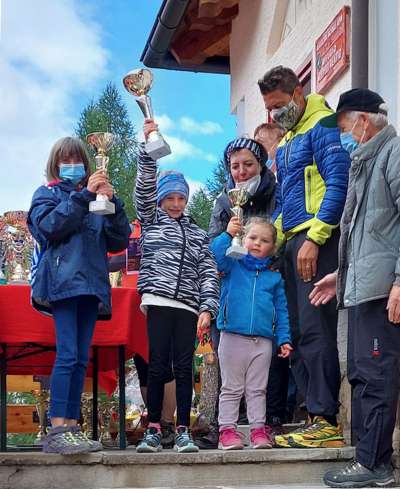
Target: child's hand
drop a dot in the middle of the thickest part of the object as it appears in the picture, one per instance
(148, 127)
(106, 189)
(203, 327)
(96, 180)
(234, 226)
(285, 350)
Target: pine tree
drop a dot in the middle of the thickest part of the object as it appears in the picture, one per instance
(217, 182)
(200, 207)
(109, 114)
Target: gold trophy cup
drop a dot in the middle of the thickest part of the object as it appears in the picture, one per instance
(41, 403)
(238, 197)
(102, 143)
(138, 83)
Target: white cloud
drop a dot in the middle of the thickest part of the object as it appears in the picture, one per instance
(194, 186)
(184, 150)
(189, 125)
(49, 54)
(164, 122)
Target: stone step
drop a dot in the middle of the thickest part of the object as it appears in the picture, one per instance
(168, 469)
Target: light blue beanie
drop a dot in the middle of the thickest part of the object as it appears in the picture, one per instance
(169, 182)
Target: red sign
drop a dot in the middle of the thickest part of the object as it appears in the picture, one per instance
(332, 51)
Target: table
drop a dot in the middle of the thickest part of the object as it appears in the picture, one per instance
(27, 344)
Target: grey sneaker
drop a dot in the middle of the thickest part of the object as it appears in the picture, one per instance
(184, 442)
(151, 442)
(95, 446)
(167, 434)
(356, 475)
(61, 440)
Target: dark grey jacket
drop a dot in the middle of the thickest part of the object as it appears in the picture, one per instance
(369, 249)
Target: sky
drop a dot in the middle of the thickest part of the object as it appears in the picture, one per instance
(58, 55)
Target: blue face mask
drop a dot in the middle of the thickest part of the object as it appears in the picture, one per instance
(348, 142)
(73, 172)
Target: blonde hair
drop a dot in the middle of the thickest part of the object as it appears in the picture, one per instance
(63, 149)
(261, 221)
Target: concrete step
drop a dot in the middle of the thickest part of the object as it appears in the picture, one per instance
(209, 468)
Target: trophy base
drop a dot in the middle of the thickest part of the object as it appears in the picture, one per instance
(236, 251)
(102, 207)
(157, 149)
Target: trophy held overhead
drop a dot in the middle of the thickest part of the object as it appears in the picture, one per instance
(138, 83)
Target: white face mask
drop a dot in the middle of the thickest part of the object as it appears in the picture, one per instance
(251, 185)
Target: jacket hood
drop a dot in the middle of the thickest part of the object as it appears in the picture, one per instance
(256, 264)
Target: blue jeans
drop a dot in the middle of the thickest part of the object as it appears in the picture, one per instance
(75, 319)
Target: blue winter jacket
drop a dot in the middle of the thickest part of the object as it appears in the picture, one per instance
(75, 243)
(253, 300)
(313, 170)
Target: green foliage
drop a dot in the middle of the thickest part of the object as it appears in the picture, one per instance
(200, 207)
(217, 182)
(109, 114)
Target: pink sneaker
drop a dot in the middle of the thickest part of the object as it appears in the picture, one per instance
(230, 439)
(261, 437)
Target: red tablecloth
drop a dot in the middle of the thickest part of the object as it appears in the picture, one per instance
(20, 325)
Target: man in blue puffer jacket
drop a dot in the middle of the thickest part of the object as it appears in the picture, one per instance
(312, 174)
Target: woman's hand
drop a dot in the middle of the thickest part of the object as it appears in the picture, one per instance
(96, 180)
(285, 350)
(148, 127)
(203, 326)
(324, 290)
(234, 226)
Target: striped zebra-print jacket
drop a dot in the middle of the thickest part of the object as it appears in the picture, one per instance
(176, 260)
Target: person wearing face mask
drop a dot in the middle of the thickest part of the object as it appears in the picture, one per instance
(269, 134)
(367, 283)
(70, 278)
(245, 164)
(312, 177)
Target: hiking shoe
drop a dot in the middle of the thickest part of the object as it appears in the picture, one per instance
(183, 441)
(356, 475)
(167, 434)
(95, 446)
(261, 437)
(319, 434)
(151, 441)
(208, 441)
(230, 439)
(62, 440)
(282, 441)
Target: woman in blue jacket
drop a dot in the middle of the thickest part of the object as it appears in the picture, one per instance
(253, 310)
(70, 277)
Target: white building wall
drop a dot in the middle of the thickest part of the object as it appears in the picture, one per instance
(256, 47)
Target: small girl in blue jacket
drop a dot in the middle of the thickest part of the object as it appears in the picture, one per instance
(71, 281)
(253, 310)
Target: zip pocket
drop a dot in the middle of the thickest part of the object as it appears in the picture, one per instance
(308, 190)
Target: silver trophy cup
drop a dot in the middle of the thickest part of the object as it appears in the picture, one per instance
(138, 83)
(101, 142)
(238, 197)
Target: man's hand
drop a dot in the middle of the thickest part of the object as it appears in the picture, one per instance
(393, 305)
(234, 226)
(307, 260)
(285, 350)
(203, 327)
(324, 290)
(148, 127)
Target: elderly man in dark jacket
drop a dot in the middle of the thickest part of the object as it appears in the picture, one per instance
(368, 284)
